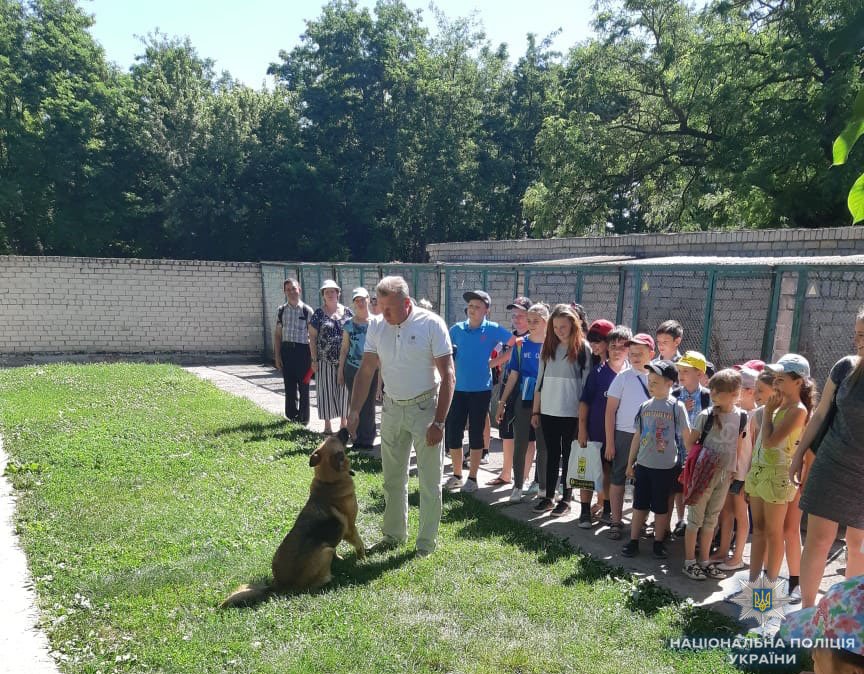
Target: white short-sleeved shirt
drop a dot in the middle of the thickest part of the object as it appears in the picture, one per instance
(407, 351)
(630, 388)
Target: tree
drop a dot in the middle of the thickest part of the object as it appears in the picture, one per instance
(58, 102)
(682, 119)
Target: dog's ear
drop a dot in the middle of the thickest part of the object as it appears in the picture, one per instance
(315, 458)
(336, 460)
(343, 436)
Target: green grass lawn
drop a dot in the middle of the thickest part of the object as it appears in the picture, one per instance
(147, 495)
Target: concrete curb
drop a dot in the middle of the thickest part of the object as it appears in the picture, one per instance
(23, 645)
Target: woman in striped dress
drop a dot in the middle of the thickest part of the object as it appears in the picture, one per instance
(325, 340)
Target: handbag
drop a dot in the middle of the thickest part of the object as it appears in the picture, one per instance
(585, 468)
(693, 455)
(699, 469)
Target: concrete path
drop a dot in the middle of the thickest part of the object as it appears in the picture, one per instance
(23, 646)
(263, 385)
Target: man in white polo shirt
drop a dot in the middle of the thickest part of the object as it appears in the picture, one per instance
(411, 346)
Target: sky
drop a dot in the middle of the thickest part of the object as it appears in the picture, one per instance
(244, 38)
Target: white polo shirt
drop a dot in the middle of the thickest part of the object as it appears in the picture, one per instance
(630, 387)
(407, 351)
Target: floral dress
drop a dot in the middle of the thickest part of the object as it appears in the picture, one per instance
(332, 398)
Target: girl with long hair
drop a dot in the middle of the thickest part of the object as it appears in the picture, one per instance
(768, 484)
(565, 361)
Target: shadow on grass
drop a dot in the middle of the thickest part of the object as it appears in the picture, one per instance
(347, 572)
(473, 519)
(278, 429)
(302, 441)
(361, 462)
(477, 520)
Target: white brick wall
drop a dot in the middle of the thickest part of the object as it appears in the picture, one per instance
(100, 305)
(743, 243)
(70, 306)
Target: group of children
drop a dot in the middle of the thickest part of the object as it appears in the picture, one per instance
(690, 439)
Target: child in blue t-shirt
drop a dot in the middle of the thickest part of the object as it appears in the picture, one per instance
(474, 341)
(521, 381)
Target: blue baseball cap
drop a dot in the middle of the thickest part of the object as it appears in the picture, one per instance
(791, 363)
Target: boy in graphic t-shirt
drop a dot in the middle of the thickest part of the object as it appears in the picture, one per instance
(661, 425)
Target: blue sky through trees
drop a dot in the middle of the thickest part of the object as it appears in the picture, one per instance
(244, 38)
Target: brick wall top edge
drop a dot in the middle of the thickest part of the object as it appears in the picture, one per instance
(832, 233)
(350, 265)
(120, 261)
(743, 261)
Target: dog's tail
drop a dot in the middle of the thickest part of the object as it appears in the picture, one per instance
(248, 595)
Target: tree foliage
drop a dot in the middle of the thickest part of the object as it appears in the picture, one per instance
(381, 135)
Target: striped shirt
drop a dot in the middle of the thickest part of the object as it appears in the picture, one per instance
(293, 321)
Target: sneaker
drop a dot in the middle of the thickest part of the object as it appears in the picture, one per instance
(516, 495)
(678, 531)
(630, 549)
(421, 553)
(563, 508)
(694, 571)
(585, 521)
(795, 595)
(469, 487)
(454, 482)
(544, 505)
(384, 545)
(614, 532)
(532, 490)
(606, 517)
(712, 571)
(484, 460)
(660, 550)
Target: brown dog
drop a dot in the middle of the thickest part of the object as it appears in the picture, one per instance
(302, 561)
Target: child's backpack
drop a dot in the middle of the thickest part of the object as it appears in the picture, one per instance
(704, 396)
(693, 478)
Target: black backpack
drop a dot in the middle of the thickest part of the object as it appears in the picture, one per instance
(709, 423)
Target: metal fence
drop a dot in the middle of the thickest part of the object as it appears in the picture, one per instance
(732, 313)
(825, 306)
